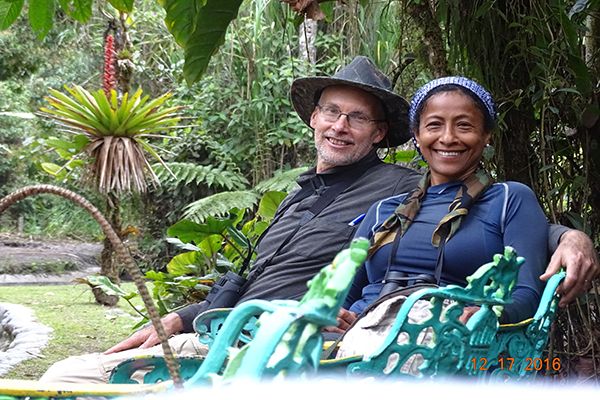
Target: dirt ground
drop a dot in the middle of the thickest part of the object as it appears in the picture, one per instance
(27, 260)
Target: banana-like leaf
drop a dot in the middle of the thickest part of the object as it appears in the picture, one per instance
(200, 29)
(180, 19)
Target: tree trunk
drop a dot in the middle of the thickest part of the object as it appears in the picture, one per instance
(108, 264)
(433, 39)
(306, 42)
(591, 122)
(515, 149)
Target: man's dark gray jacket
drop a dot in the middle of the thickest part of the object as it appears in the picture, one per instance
(316, 242)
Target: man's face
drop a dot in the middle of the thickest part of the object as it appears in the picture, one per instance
(343, 141)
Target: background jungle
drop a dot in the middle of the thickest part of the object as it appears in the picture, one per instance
(238, 145)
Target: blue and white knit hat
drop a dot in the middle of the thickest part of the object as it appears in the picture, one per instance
(475, 88)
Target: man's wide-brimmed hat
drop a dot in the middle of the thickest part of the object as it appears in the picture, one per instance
(363, 74)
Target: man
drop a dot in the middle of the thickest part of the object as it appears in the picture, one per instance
(351, 113)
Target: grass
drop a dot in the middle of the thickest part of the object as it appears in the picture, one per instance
(80, 325)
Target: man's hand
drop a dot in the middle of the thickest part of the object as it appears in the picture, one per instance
(577, 254)
(147, 336)
(345, 318)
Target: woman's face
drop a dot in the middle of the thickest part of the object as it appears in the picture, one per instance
(451, 136)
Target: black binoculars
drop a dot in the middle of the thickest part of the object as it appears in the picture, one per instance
(226, 292)
(396, 279)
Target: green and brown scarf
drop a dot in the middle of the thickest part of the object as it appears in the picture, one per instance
(399, 222)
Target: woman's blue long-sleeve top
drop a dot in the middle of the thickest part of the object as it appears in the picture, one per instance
(506, 214)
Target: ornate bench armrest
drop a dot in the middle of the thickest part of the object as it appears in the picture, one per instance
(153, 368)
(427, 325)
(209, 323)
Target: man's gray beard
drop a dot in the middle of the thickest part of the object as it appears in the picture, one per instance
(337, 160)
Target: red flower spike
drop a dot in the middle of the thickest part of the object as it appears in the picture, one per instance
(109, 80)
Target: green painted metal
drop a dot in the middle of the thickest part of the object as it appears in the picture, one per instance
(282, 337)
(156, 368)
(288, 339)
(478, 348)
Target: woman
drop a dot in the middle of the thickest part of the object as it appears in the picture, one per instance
(457, 218)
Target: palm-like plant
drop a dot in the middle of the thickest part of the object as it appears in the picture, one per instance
(113, 132)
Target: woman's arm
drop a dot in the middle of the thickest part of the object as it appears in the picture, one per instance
(526, 230)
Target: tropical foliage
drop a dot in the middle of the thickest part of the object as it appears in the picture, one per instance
(198, 26)
(112, 132)
(539, 58)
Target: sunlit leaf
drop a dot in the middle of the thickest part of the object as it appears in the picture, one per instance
(183, 263)
(183, 246)
(122, 5)
(211, 245)
(41, 14)
(188, 231)
(269, 203)
(9, 12)
(51, 168)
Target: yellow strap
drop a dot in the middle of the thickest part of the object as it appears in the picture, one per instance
(519, 324)
(28, 388)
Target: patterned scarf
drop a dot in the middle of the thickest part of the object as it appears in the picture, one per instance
(399, 222)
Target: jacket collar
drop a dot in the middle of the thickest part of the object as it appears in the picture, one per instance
(332, 175)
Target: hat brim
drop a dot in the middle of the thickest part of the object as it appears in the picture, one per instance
(305, 90)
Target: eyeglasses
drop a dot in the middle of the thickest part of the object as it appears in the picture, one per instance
(355, 119)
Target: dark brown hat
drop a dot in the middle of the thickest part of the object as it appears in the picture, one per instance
(363, 74)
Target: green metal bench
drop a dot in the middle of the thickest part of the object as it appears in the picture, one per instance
(285, 340)
(480, 348)
(263, 337)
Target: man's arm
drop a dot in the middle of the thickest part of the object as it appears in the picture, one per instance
(574, 251)
(147, 336)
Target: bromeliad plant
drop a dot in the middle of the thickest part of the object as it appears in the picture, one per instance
(113, 132)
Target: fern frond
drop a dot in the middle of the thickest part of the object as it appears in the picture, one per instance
(281, 182)
(188, 173)
(219, 204)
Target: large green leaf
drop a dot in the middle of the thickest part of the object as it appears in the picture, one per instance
(210, 25)
(41, 13)
(9, 12)
(80, 10)
(184, 263)
(52, 169)
(180, 18)
(108, 287)
(188, 231)
(269, 203)
(122, 5)
(211, 245)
